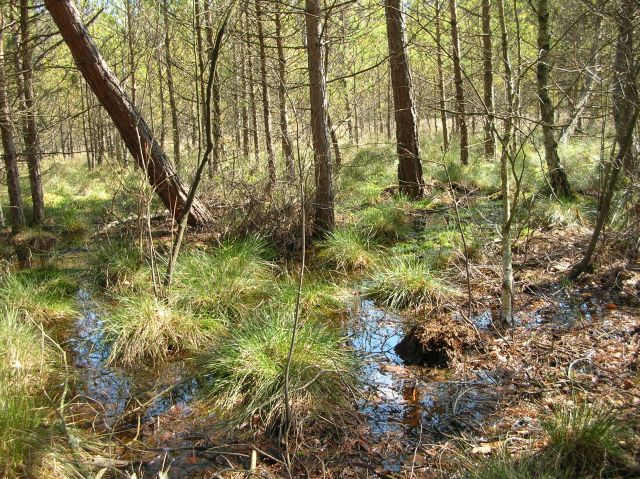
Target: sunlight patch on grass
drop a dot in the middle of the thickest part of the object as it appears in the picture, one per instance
(45, 295)
(348, 249)
(407, 282)
(247, 367)
(142, 329)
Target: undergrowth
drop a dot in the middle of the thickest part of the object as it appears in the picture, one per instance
(406, 282)
(45, 295)
(247, 367)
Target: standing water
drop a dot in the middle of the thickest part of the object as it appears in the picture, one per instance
(111, 390)
(407, 405)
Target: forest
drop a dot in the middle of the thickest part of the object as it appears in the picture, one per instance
(320, 239)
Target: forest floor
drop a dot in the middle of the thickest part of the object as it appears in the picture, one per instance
(571, 344)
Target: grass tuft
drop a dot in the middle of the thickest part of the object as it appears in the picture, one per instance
(584, 442)
(348, 249)
(25, 367)
(248, 370)
(407, 282)
(45, 295)
(230, 281)
(119, 265)
(388, 221)
(143, 329)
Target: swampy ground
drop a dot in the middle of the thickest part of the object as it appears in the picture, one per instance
(118, 382)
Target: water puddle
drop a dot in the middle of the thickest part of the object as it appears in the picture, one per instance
(407, 404)
(113, 392)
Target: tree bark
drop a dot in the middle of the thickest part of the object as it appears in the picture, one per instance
(441, 93)
(557, 176)
(324, 217)
(175, 124)
(507, 155)
(287, 146)
(410, 178)
(31, 139)
(134, 130)
(266, 102)
(461, 113)
(487, 54)
(591, 72)
(9, 146)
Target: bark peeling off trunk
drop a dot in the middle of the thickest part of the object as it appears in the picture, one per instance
(134, 130)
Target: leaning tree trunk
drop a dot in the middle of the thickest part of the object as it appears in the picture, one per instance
(557, 176)
(9, 145)
(31, 140)
(487, 51)
(134, 130)
(409, 167)
(625, 115)
(461, 113)
(324, 218)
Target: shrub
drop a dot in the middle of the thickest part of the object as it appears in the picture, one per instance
(407, 282)
(45, 295)
(248, 370)
(229, 281)
(142, 328)
(347, 249)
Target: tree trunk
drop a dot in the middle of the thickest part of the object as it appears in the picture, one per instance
(557, 176)
(9, 146)
(487, 53)
(287, 147)
(132, 127)
(266, 103)
(441, 93)
(324, 218)
(461, 114)
(591, 72)
(31, 140)
(244, 111)
(175, 124)
(252, 97)
(409, 167)
(507, 155)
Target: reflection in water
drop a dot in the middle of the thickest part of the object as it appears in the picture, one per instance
(406, 402)
(112, 389)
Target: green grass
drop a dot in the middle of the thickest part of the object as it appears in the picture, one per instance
(347, 249)
(407, 282)
(584, 440)
(231, 280)
(503, 466)
(26, 364)
(119, 265)
(247, 367)
(551, 212)
(143, 329)
(388, 221)
(320, 298)
(45, 295)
